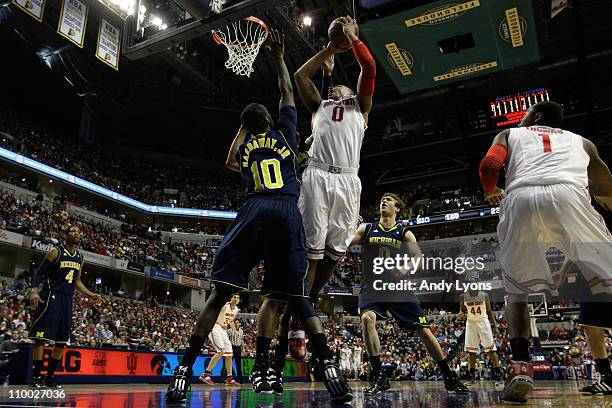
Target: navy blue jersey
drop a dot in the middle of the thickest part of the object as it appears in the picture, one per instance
(379, 242)
(268, 161)
(62, 274)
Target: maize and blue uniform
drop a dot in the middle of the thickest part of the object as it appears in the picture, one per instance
(402, 306)
(269, 225)
(52, 319)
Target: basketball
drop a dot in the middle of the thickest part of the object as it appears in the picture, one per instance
(336, 35)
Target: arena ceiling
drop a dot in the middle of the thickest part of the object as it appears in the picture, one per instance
(179, 79)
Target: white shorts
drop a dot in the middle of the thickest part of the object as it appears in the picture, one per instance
(357, 365)
(329, 204)
(535, 218)
(345, 365)
(220, 341)
(479, 332)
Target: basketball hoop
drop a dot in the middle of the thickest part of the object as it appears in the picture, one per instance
(242, 38)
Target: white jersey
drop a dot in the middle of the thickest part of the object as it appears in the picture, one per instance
(357, 354)
(338, 128)
(345, 354)
(540, 155)
(227, 315)
(476, 306)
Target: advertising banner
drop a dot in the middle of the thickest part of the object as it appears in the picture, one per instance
(161, 273)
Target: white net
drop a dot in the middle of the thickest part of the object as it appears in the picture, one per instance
(242, 39)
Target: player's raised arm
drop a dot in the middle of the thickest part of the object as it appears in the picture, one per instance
(367, 77)
(231, 162)
(303, 78)
(491, 165)
(600, 179)
(284, 79)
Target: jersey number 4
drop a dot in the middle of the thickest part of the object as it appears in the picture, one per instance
(546, 140)
(70, 276)
(268, 167)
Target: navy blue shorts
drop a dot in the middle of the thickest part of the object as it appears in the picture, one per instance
(408, 315)
(267, 228)
(52, 320)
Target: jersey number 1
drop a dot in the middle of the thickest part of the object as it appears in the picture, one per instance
(546, 141)
(266, 173)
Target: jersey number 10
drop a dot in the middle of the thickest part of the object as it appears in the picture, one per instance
(268, 167)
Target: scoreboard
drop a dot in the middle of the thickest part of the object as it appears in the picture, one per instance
(509, 110)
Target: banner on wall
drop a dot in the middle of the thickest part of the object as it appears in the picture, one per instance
(136, 267)
(11, 237)
(42, 245)
(97, 362)
(161, 273)
(107, 50)
(34, 8)
(73, 21)
(186, 280)
(91, 257)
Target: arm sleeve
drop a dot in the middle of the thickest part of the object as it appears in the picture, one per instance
(368, 68)
(491, 165)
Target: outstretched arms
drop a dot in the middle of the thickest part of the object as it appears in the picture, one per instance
(284, 79)
(367, 77)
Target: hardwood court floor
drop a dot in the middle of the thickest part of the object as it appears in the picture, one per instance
(548, 394)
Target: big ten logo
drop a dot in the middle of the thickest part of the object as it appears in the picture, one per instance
(99, 362)
(70, 363)
(132, 363)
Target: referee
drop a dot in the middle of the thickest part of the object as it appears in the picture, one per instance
(235, 335)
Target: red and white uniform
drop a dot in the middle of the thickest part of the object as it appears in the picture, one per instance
(218, 336)
(357, 351)
(345, 358)
(331, 189)
(477, 327)
(547, 204)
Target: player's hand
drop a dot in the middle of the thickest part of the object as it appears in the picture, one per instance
(494, 197)
(97, 298)
(349, 27)
(359, 220)
(35, 299)
(277, 43)
(328, 65)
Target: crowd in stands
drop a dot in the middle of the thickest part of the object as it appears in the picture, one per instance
(124, 323)
(175, 184)
(130, 242)
(169, 184)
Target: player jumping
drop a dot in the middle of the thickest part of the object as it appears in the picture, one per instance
(221, 342)
(269, 226)
(549, 175)
(60, 275)
(331, 189)
(388, 238)
(478, 330)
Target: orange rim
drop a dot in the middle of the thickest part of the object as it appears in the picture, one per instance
(219, 41)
